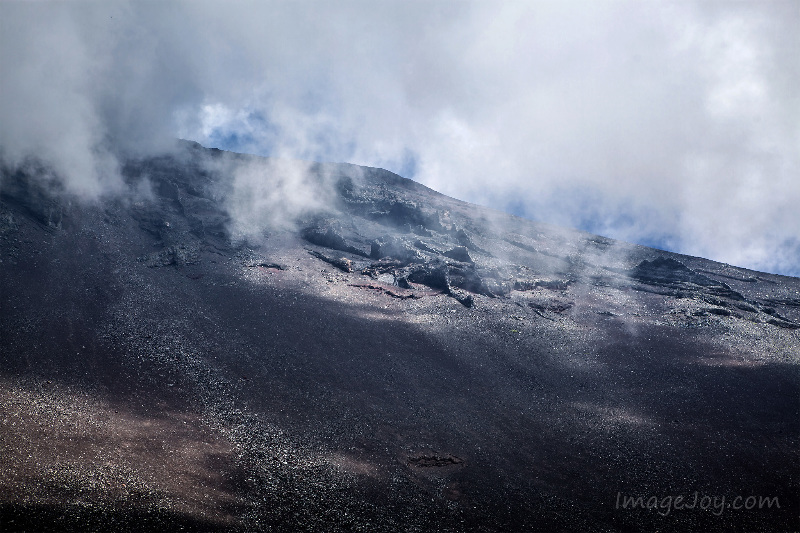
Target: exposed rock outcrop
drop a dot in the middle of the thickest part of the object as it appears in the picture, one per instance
(434, 274)
(323, 365)
(328, 236)
(459, 253)
(672, 274)
(434, 461)
(342, 263)
(393, 247)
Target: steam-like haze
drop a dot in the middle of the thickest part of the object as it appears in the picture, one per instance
(675, 124)
(270, 194)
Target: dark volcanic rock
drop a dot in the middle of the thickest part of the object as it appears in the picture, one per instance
(384, 266)
(249, 387)
(387, 208)
(329, 237)
(267, 264)
(424, 247)
(463, 297)
(745, 307)
(435, 274)
(792, 302)
(395, 248)
(551, 284)
(669, 272)
(342, 263)
(400, 213)
(783, 323)
(465, 276)
(554, 305)
(459, 253)
(495, 287)
(463, 238)
(434, 461)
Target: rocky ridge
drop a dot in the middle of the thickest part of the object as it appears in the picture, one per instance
(388, 359)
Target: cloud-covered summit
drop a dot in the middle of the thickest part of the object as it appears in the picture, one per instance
(671, 123)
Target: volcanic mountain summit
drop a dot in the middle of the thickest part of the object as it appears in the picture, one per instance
(250, 344)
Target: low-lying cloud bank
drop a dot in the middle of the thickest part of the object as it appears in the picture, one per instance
(675, 124)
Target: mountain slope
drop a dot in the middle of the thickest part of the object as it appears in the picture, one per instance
(245, 343)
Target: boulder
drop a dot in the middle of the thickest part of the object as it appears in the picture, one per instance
(329, 237)
(459, 253)
(395, 248)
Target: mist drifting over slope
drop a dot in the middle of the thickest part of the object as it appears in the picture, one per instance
(673, 124)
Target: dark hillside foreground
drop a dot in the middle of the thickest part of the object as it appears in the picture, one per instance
(245, 344)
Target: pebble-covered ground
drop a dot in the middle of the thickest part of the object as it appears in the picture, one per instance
(393, 360)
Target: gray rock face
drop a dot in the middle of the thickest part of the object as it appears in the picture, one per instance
(459, 253)
(435, 274)
(329, 237)
(669, 272)
(393, 247)
(392, 360)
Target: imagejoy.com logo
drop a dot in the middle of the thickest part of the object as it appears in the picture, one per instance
(664, 505)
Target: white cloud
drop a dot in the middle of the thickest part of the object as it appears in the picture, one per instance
(672, 122)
